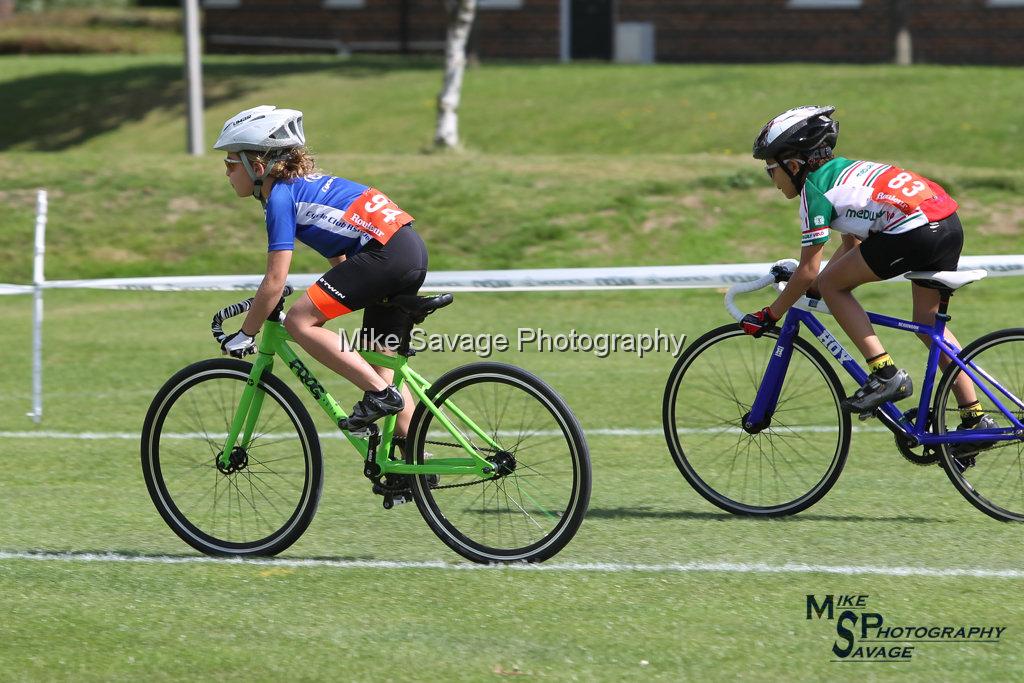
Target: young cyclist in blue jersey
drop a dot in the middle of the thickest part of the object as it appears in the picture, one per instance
(369, 241)
(892, 221)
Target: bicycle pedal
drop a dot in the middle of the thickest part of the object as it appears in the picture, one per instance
(392, 501)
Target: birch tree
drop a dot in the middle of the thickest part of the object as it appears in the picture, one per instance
(460, 21)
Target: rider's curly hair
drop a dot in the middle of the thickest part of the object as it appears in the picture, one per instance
(297, 162)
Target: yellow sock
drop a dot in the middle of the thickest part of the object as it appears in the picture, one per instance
(971, 412)
(880, 361)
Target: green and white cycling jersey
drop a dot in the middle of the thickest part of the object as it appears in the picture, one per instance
(861, 198)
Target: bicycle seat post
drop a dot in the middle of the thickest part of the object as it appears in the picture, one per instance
(942, 316)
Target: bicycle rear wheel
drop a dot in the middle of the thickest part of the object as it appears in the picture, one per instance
(782, 469)
(536, 500)
(270, 494)
(994, 481)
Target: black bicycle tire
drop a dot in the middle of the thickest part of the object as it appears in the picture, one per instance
(693, 478)
(176, 387)
(564, 532)
(944, 387)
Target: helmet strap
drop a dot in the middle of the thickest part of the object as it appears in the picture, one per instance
(257, 180)
(799, 177)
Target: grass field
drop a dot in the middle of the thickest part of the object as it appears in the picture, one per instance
(107, 353)
(104, 28)
(586, 165)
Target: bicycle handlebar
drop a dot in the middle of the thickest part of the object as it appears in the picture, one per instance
(741, 288)
(780, 272)
(237, 309)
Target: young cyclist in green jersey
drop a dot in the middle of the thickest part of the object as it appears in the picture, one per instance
(892, 221)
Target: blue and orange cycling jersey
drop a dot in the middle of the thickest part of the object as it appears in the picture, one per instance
(332, 215)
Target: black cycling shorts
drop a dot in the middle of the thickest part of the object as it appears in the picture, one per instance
(375, 273)
(935, 246)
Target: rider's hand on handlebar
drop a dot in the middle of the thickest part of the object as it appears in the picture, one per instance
(238, 344)
(759, 322)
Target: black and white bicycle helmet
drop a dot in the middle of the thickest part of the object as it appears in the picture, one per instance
(801, 133)
(797, 133)
(265, 130)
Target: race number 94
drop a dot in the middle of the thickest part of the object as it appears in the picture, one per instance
(379, 202)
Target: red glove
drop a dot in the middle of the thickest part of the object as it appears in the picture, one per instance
(758, 323)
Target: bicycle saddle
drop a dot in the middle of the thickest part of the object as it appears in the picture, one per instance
(419, 307)
(945, 279)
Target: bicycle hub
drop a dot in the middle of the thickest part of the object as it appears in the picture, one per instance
(504, 463)
(237, 461)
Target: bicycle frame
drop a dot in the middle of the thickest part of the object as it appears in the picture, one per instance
(274, 342)
(775, 374)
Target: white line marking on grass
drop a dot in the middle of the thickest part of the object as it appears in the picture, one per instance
(84, 436)
(596, 567)
(608, 431)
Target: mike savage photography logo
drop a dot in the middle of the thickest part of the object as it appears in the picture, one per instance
(865, 635)
(536, 339)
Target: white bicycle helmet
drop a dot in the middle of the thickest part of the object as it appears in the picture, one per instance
(265, 130)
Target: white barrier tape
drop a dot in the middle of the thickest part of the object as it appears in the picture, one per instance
(542, 279)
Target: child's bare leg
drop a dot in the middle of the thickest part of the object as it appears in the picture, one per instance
(305, 324)
(886, 382)
(836, 285)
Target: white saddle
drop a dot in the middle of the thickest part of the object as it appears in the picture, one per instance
(945, 279)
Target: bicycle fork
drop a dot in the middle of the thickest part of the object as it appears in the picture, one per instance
(243, 424)
(767, 398)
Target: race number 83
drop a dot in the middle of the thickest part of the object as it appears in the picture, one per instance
(900, 180)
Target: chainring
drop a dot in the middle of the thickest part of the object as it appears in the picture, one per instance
(918, 455)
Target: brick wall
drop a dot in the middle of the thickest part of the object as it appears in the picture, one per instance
(530, 32)
(763, 30)
(942, 31)
(967, 32)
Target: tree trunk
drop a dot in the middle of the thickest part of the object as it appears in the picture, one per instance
(460, 21)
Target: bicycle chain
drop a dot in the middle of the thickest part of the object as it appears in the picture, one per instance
(468, 483)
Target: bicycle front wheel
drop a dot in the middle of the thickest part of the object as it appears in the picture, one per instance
(992, 479)
(535, 501)
(266, 499)
(785, 467)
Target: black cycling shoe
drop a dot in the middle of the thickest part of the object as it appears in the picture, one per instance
(877, 391)
(963, 453)
(371, 409)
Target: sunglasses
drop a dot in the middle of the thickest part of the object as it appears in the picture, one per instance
(229, 162)
(771, 167)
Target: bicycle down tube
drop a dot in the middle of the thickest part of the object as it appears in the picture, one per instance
(274, 342)
(775, 373)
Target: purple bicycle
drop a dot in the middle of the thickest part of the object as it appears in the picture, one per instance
(757, 427)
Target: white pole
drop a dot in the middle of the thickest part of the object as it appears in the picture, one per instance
(193, 78)
(565, 31)
(37, 314)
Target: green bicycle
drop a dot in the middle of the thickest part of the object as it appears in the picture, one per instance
(496, 462)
